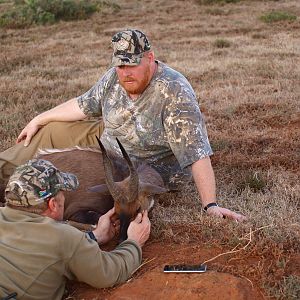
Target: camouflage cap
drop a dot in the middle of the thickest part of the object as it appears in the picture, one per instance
(129, 46)
(36, 181)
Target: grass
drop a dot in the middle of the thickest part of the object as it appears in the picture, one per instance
(249, 94)
(221, 43)
(253, 181)
(216, 11)
(278, 16)
(287, 289)
(270, 204)
(25, 13)
(210, 2)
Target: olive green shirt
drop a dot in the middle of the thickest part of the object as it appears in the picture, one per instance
(38, 254)
(164, 126)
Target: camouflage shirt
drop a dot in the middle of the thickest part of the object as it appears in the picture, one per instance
(164, 126)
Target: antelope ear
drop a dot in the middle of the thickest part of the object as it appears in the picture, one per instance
(101, 188)
(152, 189)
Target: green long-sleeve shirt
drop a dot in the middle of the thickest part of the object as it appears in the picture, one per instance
(37, 254)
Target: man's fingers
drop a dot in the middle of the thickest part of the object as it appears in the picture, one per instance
(110, 212)
(240, 218)
(21, 137)
(145, 215)
(226, 213)
(27, 141)
(138, 218)
(234, 216)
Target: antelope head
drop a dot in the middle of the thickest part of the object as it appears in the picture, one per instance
(130, 195)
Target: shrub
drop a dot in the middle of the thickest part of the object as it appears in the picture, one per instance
(27, 12)
(207, 2)
(253, 181)
(277, 16)
(221, 43)
(216, 12)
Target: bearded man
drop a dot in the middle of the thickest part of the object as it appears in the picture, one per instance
(151, 108)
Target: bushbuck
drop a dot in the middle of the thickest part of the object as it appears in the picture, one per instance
(105, 180)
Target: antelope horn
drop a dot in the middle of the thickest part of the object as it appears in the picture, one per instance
(114, 189)
(134, 178)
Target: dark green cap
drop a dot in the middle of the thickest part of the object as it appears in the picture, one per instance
(36, 181)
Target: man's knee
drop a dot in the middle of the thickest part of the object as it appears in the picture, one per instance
(55, 128)
(68, 134)
(56, 135)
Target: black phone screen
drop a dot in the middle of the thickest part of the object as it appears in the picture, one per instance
(185, 268)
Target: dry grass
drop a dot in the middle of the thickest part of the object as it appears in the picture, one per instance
(249, 93)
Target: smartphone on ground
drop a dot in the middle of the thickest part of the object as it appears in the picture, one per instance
(185, 268)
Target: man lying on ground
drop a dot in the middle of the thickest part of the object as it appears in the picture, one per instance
(38, 252)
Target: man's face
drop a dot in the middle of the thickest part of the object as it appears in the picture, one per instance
(135, 79)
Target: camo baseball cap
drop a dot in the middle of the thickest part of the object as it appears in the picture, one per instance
(128, 47)
(36, 181)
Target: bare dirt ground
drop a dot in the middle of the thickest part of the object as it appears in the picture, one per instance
(246, 75)
(151, 283)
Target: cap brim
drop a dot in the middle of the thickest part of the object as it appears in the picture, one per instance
(119, 60)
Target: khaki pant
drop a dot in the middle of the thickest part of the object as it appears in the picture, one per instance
(54, 135)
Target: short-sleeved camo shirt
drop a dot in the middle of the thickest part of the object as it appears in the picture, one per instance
(164, 126)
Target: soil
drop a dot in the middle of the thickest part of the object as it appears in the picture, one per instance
(149, 282)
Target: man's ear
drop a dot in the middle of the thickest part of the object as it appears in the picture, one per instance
(151, 56)
(52, 204)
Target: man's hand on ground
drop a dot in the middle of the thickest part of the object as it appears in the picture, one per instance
(225, 213)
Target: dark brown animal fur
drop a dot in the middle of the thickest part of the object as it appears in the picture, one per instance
(94, 197)
(82, 205)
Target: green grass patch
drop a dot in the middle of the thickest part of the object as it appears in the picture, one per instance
(277, 16)
(253, 181)
(208, 2)
(219, 145)
(27, 12)
(221, 43)
(288, 288)
(216, 11)
(258, 36)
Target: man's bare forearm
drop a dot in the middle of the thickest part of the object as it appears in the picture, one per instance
(204, 178)
(67, 111)
(205, 181)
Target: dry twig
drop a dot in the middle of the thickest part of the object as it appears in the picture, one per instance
(234, 250)
(144, 263)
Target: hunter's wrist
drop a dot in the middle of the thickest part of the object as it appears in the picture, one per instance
(211, 204)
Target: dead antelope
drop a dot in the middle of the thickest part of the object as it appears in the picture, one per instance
(105, 180)
(86, 163)
(132, 194)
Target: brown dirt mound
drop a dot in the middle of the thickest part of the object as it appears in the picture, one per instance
(149, 282)
(211, 285)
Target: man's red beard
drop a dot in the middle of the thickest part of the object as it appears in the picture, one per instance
(136, 87)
